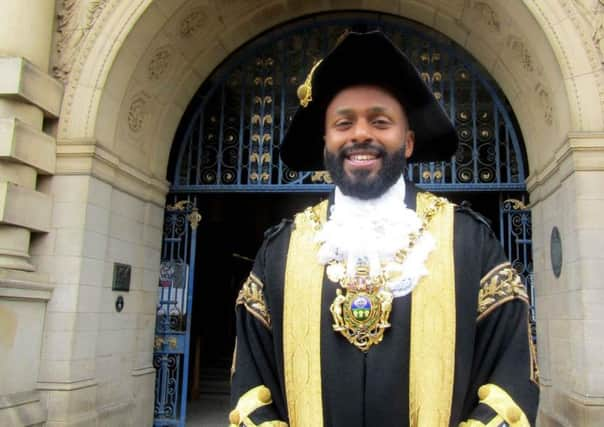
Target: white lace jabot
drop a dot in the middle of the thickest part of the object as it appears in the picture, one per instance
(374, 231)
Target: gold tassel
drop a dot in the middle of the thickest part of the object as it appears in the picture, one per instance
(305, 90)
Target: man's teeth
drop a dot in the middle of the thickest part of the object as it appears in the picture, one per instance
(362, 157)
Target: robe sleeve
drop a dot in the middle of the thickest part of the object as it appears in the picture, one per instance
(504, 388)
(256, 395)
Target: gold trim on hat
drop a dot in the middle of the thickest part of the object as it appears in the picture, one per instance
(305, 89)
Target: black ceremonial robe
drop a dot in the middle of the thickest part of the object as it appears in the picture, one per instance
(495, 374)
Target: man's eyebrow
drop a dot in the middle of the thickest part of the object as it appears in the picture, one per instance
(347, 110)
(344, 111)
(378, 109)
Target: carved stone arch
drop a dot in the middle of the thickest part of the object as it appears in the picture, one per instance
(520, 44)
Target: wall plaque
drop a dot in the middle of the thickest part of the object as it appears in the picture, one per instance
(555, 251)
(121, 277)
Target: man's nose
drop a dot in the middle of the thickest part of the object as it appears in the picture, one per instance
(362, 132)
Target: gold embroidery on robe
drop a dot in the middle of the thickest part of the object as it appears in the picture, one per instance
(500, 285)
(251, 296)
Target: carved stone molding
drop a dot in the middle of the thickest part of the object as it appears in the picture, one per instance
(89, 158)
(545, 102)
(138, 112)
(583, 150)
(75, 19)
(488, 15)
(159, 64)
(598, 33)
(587, 17)
(191, 23)
(24, 285)
(25, 406)
(517, 45)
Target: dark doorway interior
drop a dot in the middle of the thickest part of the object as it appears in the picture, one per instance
(229, 235)
(485, 203)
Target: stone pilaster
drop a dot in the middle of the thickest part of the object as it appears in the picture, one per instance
(28, 97)
(568, 195)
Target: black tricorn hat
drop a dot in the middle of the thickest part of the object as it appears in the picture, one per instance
(366, 58)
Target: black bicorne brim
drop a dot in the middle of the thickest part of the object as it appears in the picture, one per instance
(368, 58)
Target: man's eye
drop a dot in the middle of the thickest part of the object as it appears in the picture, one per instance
(343, 123)
(381, 122)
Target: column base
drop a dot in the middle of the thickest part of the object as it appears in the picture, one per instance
(24, 285)
(22, 409)
(13, 262)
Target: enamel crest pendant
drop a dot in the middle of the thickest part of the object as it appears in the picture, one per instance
(361, 311)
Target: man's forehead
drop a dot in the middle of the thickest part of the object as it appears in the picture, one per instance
(371, 109)
(369, 98)
(363, 89)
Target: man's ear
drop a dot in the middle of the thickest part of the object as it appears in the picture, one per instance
(409, 143)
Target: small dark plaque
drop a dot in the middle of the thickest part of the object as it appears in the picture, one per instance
(121, 277)
(555, 249)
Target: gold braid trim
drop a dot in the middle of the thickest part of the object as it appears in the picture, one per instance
(275, 423)
(533, 352)
(302, 321)
(501, 402)
(251, 400)
(433, 323)
(234, 361)
(500, 285)
(495, 422)
(251, 296)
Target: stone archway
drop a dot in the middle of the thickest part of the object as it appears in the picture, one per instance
(134, 83)
(134, 67)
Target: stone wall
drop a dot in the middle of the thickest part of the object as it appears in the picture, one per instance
(96, 361)
(569, 307)
(29, 98)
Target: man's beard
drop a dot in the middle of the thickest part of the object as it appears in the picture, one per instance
(360, 184)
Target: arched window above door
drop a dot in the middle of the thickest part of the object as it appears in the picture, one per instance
(229, 139)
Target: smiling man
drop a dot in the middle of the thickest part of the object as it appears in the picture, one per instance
(367, 140)
(382, 306)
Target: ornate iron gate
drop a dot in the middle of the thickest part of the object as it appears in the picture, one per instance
(516, 235)
(173, 316)
(228, 142)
